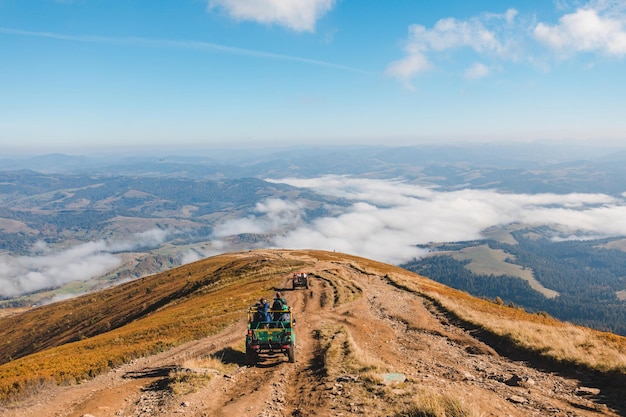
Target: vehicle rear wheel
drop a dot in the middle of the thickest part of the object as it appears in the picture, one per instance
(291, 353)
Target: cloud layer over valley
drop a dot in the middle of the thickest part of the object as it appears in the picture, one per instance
(383, 220)
(48, 268)
(387, 219)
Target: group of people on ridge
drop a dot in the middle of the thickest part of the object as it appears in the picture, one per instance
(279, 309)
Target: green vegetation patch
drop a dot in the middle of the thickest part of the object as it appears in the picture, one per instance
(486, 261)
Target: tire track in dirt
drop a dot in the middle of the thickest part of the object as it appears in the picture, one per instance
(307, 390)
(394, 330)
(264, 389)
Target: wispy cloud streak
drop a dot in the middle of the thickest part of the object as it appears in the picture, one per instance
(179, 44)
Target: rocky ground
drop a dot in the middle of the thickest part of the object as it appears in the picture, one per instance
(364, 348)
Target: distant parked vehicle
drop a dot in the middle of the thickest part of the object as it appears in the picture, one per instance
(300, 279)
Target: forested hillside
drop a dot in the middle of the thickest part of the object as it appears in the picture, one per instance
(586, 274)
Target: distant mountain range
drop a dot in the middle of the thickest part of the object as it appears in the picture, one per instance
(532, 168)
(157, 211)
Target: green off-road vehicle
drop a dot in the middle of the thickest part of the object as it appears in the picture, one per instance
(270, 337)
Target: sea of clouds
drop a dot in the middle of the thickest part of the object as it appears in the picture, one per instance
(386, 221)
(48, 268)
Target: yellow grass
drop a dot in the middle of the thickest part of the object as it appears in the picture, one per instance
(538, 333)
(186, 381)
(148, 316)
(560, 341)
(427, 404)
(196, 372)
(341, 355)
(67, 342)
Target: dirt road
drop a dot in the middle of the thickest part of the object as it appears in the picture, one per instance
(364, 347)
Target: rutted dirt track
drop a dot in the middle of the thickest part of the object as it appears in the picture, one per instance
(364, 347)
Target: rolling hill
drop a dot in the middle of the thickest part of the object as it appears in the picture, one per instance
(578, 281)
(372, 338)
(147, 214)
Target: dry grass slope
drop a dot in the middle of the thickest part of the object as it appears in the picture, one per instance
(536, 333)
(70, 341)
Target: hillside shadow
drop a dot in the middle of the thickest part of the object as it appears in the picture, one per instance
(316, 364)
(229, 355)
(159, 377)
(150, 373)
(283, 289)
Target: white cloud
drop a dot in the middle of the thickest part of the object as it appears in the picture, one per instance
(19, 275)
(281, 213)
(389, 218)
(510, 15)
(599, 27)
(298, 15)
(406, 68)
(237, 227)
(190, 256)
(485, 35)
(149, 238)
(275, 215)
(451, 33)
(48, 268)
(386, 221)
(476, 71)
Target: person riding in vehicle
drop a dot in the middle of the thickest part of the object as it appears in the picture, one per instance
(263, 310)
(284, 314)
(277, 305)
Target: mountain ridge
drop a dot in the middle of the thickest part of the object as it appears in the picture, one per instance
(360, 320)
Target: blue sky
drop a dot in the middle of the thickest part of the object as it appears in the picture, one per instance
(80, 75)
